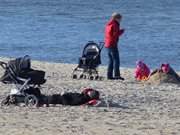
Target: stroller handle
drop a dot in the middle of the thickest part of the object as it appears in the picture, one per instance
(3, 65)
(101, 45)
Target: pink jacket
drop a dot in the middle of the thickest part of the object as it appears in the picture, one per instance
(142, 71)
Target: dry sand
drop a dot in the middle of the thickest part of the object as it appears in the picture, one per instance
(135, 108)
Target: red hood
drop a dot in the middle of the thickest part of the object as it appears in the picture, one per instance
(113, 22)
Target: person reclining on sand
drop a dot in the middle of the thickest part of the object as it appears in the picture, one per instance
(165, 74)
(86, 97)
(165, 68)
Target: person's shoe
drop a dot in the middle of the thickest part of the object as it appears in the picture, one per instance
(110, 78)
(119, 78)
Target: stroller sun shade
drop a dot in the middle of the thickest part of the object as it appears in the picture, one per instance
(91, 56)
(21, 68)
(91, 49)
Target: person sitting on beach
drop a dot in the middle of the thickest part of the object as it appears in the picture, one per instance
(112, 33)
(165, 68)
(86, 97)
(142, 71)
(164, 74)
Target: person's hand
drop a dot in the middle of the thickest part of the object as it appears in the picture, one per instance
(122, 31)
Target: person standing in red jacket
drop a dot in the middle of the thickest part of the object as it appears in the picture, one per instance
(112, 34)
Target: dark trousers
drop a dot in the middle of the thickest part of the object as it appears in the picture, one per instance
(114, 62)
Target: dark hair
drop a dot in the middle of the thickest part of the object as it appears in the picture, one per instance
(94, 94)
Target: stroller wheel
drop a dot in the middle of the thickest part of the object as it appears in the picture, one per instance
(81, 76)
(12, 99)
(100, 78)
(97, 77)
(74, 76)
(31, 101)
(84, 77)
(5, 101)
(91, 77)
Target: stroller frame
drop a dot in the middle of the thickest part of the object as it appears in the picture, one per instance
(23, 93)
(87, 67)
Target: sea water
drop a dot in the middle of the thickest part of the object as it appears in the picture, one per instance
(57, 30)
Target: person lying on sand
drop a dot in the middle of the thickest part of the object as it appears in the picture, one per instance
(86, 97)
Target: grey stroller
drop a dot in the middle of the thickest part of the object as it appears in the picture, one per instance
(27, 82)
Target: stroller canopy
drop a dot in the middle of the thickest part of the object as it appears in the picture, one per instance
(19, 64)
(21, 68)
(91, 49)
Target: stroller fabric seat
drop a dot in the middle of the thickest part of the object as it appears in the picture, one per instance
(91, 56)
(36, 76)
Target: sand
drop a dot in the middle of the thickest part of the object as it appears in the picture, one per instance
(135, 108)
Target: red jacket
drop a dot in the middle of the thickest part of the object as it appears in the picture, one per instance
(112, 33)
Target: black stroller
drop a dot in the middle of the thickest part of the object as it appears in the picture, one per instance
(27, 82)
(88, 63)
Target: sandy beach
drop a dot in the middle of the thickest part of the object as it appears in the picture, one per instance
(135, 108)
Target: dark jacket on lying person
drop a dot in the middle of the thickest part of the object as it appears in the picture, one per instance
(74, 98)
